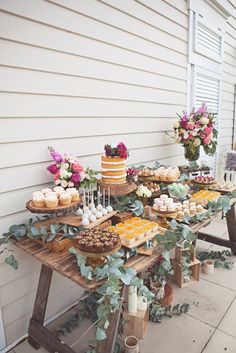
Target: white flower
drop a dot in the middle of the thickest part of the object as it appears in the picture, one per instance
(194, 133)
(204, 120)
(143, 191)
(70, 184)
(82, 175)
(64, 183)
(64, 173)
(58, 182)
(176, 125)
(186, 135)
(197, 142)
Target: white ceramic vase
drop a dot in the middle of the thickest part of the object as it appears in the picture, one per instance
(131, 344)
(208, 267)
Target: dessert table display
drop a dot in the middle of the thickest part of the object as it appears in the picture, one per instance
(107, 249)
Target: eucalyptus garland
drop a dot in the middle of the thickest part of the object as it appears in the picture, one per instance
(110, 292)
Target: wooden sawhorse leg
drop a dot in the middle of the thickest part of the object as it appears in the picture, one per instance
(231, 224)
(40, 303)
(108, 345)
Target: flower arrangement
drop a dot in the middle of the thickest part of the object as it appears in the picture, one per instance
(132, 174)
(68, 172)
(116, 151)
(197, 129)
(143, 191)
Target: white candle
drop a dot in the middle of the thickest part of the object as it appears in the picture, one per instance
(132, 300)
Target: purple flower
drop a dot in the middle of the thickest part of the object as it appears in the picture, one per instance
(202, 109)
(52, 168)
(184, 122)
(56, 156)
(75, 178)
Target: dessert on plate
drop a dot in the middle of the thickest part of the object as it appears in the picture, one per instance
(97, 241)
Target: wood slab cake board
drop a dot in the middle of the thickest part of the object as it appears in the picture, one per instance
(46, 210)
(75, 221)
(117, 189)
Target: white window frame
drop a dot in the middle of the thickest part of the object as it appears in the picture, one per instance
(197, 18)
(204, 64)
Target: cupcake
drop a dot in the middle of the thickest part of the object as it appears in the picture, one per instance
(59, 190)
(74, 194)
(51, 193)
(51, 201)
(46, 190)
(38, 193)
(39, 201)
(65, 199)
(71, 190)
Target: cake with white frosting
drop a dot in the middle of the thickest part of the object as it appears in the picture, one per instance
(113, 164)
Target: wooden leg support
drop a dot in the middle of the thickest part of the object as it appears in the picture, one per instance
(228, 243)
(107, 346)
(40, 304)
(231, 223)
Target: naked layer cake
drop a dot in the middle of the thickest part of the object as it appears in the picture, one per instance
(113, 164)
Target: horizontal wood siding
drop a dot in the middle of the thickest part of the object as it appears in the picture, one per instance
(228, 92)
(75, 75)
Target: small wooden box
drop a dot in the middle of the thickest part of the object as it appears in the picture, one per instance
(178, 273)
(121, 217)
(135, 324)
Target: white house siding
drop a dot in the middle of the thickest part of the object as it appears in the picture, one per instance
(228, 91)
(77, 74)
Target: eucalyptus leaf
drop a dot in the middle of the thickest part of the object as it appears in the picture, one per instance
(11, 261)
(100, 334)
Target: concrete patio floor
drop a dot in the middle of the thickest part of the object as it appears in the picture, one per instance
(210, 325)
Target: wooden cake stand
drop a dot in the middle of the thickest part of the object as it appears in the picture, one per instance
(164, 215)
(60, 209)
(96, 259)
(117, 189)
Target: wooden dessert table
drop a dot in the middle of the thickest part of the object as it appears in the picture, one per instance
(65, 264)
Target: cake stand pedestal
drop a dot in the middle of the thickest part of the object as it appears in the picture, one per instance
(96, 259)
(164, 215)
(117, 189)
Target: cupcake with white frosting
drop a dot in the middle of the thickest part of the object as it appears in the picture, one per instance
(65, 199)
(51, 201)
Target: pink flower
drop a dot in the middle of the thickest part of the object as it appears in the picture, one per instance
(77, 168)
(207, 130)
(75, 178)
(52, 168)
(191, 137)
(206, 140)
(190, 126)
(57, 175)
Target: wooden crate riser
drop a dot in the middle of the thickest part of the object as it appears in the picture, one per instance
(179, 252)
(178, 273)
(135, 324)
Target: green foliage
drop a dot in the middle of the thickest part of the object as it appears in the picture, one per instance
(90, 178)
(186, 272)
(223, 203)
(110, 292)
(11, 261)
(157, 312)
(220, 257)
(44, 233)
(176, 235)
(128, 203)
